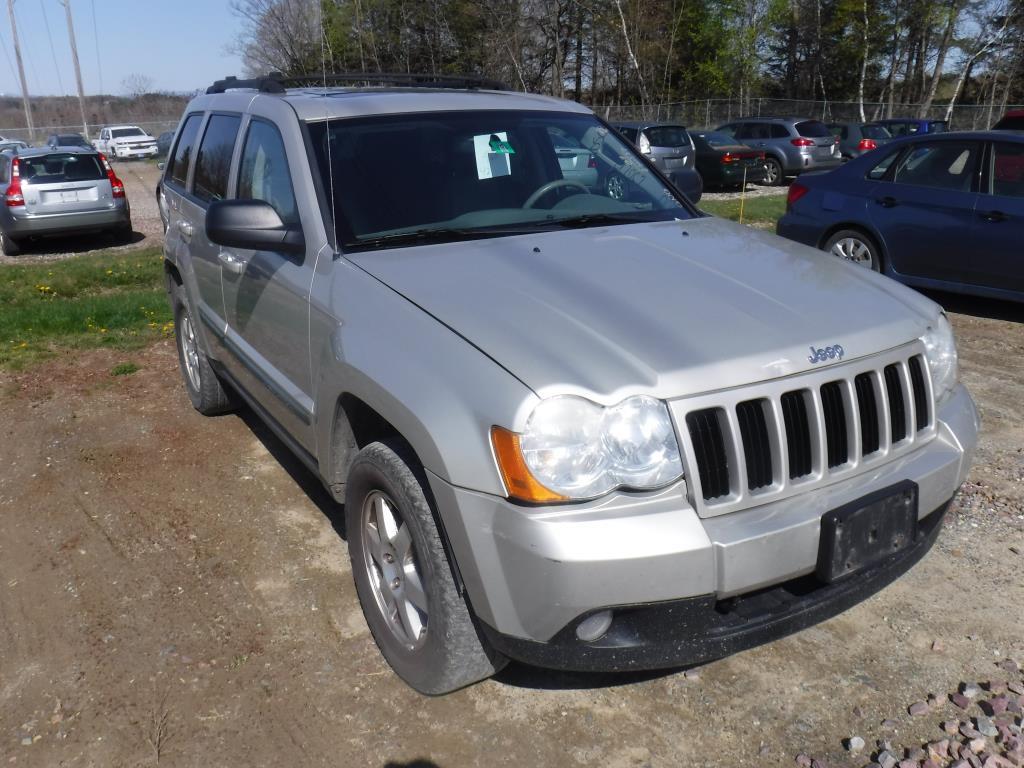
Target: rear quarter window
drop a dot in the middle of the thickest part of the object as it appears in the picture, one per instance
(177, 166)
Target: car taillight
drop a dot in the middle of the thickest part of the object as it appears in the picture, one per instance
(13, 196)
(796, 191)
(116, 185)
(867, 144)
(802, 142)
(592, 162)
(729, 158)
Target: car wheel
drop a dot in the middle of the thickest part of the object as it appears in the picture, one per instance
(204, 389)
(615, 186)
(418, 619)
(9, 245)
(855, 247)
(772, 172)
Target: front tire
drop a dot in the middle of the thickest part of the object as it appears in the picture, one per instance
(856, 247)
(415, 613)
(204, 389)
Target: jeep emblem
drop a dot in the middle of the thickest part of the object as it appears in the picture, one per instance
(835, 352)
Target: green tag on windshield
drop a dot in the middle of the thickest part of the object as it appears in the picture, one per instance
(501, 147)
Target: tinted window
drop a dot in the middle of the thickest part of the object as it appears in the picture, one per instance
(938, 127)
(213, 163)
(1015, 123)
(629, 133)
(813, 129)
(943, 165)
(57, 168)
(1007, 170)
(264, 171)
(177, 166)
(667, 136)
(781, 132)
(120, 133)
(897, 129)
(882, 168)
(874, 132)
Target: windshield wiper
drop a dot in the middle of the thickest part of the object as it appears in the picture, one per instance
(438, 235)
(591, 219)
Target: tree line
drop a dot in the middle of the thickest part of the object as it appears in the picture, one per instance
(885, 53)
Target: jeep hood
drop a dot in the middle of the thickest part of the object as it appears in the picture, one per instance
(668, 309)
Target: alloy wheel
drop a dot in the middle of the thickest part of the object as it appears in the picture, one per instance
(852, 249)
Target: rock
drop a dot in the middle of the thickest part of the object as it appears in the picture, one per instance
(960, 700)
(692, 674)
(890, 725)
(916, 754)
(938, 749)
(970, 690)
(1016, 686)
(969, 732)
(909, 764)
(977, 745)
(26, 741)
(818, 763)
(995, 686)
(960, 764)
(886, 759)
(996, 705)
(951, 726)
(854, 744)
(933, 701)
(930, 764)
(803, 760)
(918, 708)
(986, 727)
(1009, 665)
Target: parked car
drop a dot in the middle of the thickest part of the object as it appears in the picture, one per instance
(13, 146)
(908, 126)
(1011, 121)
(576, 161)
(934, 211)
(163, 143)
(123, 142)
(689, 182)
(59, 192)
(667, 145)
(723, 162)
(55, 140)
(857, 138)
(791, 145)
(583, 432)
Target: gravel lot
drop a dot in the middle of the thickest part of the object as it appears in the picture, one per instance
(176, 589)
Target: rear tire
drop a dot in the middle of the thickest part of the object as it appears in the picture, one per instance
(773, 176)
(204, 389)
(415, 613)
(854, 246)
(9, 245)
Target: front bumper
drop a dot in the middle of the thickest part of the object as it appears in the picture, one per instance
(128, 153)
(532, 573)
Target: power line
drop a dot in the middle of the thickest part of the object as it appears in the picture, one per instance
(53, 51)
(96, 44)
(32, 64)
(7, 55)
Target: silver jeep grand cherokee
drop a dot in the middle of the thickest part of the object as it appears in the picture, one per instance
(582, 432)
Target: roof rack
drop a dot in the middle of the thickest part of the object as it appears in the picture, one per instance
(275, 82)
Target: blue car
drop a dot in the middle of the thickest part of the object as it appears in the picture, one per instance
(943, 211)
(911, 126)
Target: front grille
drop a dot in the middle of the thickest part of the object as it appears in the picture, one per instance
(708, 440)
(789, 434)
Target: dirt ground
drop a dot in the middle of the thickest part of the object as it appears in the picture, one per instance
(175, 589)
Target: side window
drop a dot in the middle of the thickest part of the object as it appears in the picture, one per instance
(897, 129)
(264, 174)
(946, 165)
(729, 130)
(881, 169)
(213, 163)
(1007, 169)
(779, 132)
(177, 167)
(745, 131)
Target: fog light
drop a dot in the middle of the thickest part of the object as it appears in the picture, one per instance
(593, 627)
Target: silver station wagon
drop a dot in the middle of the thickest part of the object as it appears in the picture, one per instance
(580, 431)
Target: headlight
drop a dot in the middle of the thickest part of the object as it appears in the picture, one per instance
(940, 351)
(575, 449)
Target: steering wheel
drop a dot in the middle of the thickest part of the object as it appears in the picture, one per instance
(545, 188)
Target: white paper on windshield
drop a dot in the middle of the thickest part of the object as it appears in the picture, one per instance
(491, 164)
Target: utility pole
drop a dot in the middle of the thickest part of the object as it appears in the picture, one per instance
(21, 72)
(78, 69)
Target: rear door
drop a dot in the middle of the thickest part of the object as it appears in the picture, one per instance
(266, 293)
(64, 182)
(924, 210)
(997, 258)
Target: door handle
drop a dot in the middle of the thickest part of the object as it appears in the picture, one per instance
(994, 216)
(887, 202)
(232, 263)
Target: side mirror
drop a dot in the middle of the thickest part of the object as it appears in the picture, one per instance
(253, 225)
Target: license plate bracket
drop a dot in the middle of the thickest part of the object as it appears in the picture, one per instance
(866, 531)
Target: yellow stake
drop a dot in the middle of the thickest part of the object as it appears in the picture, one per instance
(743, 192)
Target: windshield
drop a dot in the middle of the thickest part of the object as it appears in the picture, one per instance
(667, 136)
(120, 133)
(54, 168)
(433, 177)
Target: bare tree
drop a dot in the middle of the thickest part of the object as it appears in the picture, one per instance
(952, 17)
(137, 84)
(993, 29)
(279, 35)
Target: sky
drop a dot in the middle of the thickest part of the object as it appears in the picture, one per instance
(182, 45)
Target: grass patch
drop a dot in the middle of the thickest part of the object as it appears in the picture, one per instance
(124, 369)
(764, 209)
(98, 300)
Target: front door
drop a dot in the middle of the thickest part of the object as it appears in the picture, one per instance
(997, 257)
(926, 211)
(266, 294)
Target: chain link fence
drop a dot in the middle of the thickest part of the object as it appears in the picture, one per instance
(39, 134)
(709, 113)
